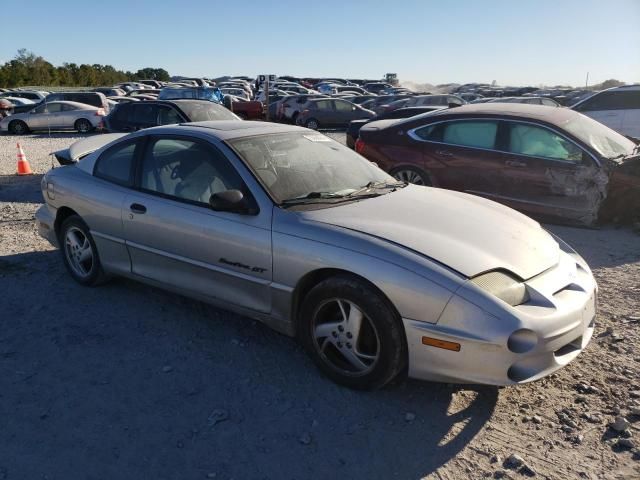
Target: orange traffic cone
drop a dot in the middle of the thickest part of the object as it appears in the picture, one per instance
(23, 164)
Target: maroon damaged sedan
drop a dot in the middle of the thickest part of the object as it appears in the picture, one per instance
(552, 163)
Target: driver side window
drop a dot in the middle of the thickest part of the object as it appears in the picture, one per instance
(342, 106)
(525, 139)
(187, 170)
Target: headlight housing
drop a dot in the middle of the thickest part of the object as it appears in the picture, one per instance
(504, 286)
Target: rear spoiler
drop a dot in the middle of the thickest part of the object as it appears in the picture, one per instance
(84, 147)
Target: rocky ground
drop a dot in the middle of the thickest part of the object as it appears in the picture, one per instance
(127, 381)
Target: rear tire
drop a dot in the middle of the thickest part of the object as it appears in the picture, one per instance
(18, 127)
(83, 125)
(312, 123)
(352, 333)
(412, 175)
(79, 252)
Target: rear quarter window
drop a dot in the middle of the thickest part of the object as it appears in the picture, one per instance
(116, 164)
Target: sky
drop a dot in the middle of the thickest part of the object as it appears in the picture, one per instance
(517, 42)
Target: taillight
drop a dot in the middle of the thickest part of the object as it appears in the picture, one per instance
(359, 146)
(100, 112)
(304, 112)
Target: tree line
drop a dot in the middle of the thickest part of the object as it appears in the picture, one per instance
(27, 68)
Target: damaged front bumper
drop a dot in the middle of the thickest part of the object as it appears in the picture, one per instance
(530, 341)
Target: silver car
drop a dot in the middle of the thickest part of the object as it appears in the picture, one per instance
(280, 223)
(60, 115)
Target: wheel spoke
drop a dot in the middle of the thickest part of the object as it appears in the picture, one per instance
(85, 254)
(354, 359)
(354, 321)
(345, 316)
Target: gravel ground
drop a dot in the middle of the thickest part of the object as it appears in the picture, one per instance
(128, 381)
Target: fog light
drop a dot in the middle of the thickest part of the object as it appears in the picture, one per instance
(522, 340)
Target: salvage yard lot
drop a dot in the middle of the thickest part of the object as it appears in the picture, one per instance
(128, 381)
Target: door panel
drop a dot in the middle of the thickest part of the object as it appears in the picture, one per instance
(109, 186)
(546, 174)
(221, 255)
(174, 237)
(460, 155)
(38, 120)
(68, 119)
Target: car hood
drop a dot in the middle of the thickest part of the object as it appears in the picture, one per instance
(469, 234)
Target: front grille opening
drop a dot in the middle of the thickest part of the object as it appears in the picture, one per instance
(571, 347)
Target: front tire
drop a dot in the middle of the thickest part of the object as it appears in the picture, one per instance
(352, 333)
(79, 252)
(83, 125)
(18, 127)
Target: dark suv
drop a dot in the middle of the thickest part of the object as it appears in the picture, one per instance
(129, 117)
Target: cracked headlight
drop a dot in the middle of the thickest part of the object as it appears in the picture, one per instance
(504, 286)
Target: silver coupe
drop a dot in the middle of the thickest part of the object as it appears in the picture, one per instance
(374, 277)
(60, 115)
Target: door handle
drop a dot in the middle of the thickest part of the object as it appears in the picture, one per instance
(137, 208)
(444, 153)
(515, 163)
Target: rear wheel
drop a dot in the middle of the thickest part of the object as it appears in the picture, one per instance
(312, 123)
(79, 252)
(411, 175)
(351, 332)
(83, 125)
(18, 127)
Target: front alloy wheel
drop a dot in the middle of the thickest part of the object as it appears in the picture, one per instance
(352, 332)
(345, 337)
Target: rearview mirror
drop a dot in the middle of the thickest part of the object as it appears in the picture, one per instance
(229, 201)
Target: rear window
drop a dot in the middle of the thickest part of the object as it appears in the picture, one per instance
(616, 100)
(468, 133)
(203, 111)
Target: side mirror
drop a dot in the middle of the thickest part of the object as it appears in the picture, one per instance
(229, 201)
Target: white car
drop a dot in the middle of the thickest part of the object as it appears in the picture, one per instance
(618, 108)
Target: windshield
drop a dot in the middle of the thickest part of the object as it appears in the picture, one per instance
(605, 141)
(295, 165)
(202, 111)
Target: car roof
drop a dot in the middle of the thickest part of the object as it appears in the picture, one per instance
(634, 87)
(230, 129)
(84, 106)
(523, 110)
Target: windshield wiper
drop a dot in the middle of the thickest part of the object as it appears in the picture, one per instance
(312, 196)
(377, 185)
